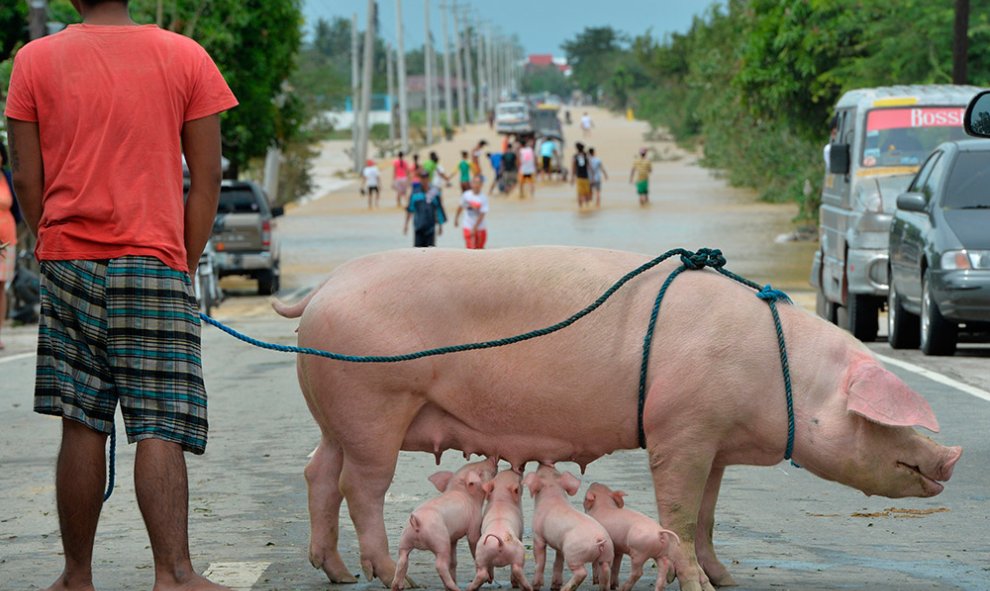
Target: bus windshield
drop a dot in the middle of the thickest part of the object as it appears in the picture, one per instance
(904, 136)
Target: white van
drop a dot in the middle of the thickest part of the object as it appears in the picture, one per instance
(881, 136)
(513, 117)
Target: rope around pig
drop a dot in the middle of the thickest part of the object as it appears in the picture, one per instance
(689, 261)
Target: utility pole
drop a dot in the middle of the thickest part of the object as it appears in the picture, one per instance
(403, 92)
(960, 44)
(390, 74)
(428, 63)
(480, 43)
(459, 66)
(368, 70)
(37, 18)
(447, 93)
(355, 92)
(468, 71)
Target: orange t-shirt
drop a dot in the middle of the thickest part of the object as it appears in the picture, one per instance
(110, 103)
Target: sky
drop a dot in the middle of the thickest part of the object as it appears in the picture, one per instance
(542, 25)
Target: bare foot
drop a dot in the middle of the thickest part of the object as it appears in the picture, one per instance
(62, 585)
(194, 582)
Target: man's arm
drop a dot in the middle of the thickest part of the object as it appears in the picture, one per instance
(201, 145)
(28, 169)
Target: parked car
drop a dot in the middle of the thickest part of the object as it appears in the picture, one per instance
(940, 251)
(245, 235)
(881, 137)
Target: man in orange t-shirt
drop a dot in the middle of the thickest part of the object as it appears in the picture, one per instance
(99, 116)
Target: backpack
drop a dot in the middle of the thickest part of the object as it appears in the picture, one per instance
(424, 214)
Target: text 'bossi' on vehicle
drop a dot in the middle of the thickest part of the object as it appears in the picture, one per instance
(879, 139)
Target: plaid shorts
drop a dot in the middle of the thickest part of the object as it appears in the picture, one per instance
(124, 329)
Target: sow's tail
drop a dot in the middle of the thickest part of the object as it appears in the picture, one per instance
(295, 310)
(498, 540)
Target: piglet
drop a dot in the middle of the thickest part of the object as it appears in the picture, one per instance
(577, 538)
(501, 532)
(632, 533)
(439, 523)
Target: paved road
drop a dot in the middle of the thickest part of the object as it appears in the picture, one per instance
(779, 527)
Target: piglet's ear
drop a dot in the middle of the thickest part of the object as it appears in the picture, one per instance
(441, 479)
(532, 483)
(488, 486)
(570, 483)
(880, 396)
(515, 491)
(589, 500)
(473, 480)
(617, 497)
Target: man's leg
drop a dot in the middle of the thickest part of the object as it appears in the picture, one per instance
(161, 485)
(79, 480)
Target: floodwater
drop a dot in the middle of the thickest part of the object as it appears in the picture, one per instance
(690, 208)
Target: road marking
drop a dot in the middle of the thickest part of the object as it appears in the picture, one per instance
(937, 377)
(240, 576)
(16, 357)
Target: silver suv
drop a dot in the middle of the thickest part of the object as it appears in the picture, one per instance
(245, 237)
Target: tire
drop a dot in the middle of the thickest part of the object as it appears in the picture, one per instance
(903, 327)
(938, 335)
(861, 317)
(268, 281)
(825, 308)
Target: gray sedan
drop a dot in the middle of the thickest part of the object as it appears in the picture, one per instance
(940, 252)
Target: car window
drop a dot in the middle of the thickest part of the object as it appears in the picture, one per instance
(903, 136)
(238, 200)
(925, 172)
(934, 180)
(969, 182)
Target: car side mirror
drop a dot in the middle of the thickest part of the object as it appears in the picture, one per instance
(278, 211)
(912, 202)
(838, 159)
(977, 118)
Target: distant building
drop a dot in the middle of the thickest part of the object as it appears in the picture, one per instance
(546, 60)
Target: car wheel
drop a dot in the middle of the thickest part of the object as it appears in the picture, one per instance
(268, 281)
(903, 328)
(861, 317)
(825, 308)
(938, 335)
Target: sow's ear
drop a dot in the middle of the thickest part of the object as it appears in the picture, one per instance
(880, 396)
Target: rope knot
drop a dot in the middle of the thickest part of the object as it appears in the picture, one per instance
(770, 294)
(705, 257)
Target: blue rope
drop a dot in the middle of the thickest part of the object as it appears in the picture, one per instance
(701, 259)
(771, 297)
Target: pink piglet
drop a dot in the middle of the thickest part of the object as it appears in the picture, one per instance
(438, 524)
(632, 533)
(501, 532)
(577, 538)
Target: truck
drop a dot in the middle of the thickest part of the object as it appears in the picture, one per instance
(880, 138)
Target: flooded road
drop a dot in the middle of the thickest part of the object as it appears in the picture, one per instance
(690, 208)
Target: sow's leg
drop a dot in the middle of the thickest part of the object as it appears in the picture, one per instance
(679, 481)
(703, 543)
(322, 480)
(371, 451)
